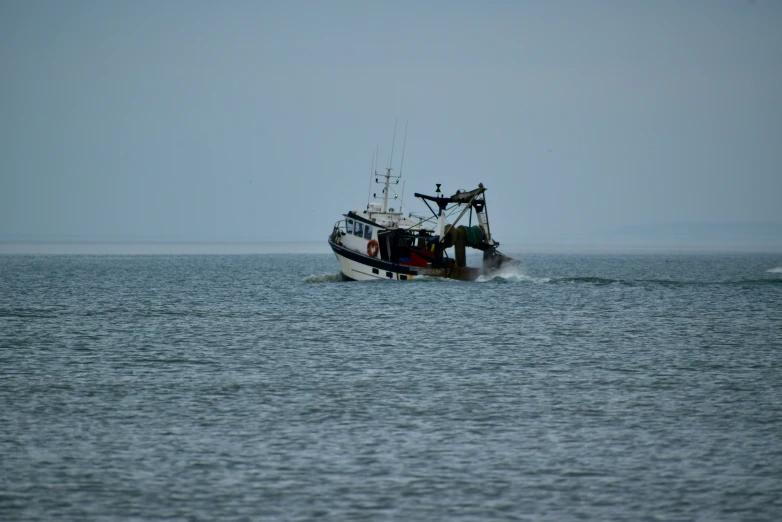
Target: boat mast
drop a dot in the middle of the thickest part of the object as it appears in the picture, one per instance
(401, 166)
(388, 171)
(385, 190)
(388, 175)
(371, 169)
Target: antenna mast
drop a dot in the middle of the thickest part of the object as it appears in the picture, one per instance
(387, 181)
(393, 140)
(385, 190)
(401, 165)
(388, 171)
(371, 167)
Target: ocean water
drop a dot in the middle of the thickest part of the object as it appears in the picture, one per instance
(261, 387)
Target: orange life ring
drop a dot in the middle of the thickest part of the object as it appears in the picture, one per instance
(372, 248)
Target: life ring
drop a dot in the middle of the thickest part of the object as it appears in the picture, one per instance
(372, 248)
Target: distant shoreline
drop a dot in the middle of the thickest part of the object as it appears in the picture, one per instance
(161, 247)
(321, 247)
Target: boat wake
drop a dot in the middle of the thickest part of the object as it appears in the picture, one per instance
(511, 274)
(515, 275)
(597, 281)
(324, 278)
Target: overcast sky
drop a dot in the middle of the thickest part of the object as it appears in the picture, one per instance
(224, 121)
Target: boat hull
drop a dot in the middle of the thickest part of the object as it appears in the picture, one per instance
(361, 267)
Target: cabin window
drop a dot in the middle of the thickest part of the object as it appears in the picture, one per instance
(359, 231)
(349, 226)
(367, 232)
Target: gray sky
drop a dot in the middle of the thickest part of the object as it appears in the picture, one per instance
(225, 121)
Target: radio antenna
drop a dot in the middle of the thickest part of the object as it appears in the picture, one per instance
(401, 165)
(371, 167)
(392, 145)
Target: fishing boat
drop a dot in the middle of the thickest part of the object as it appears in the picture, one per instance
(379, 242)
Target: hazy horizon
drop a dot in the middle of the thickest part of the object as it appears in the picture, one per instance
(654, 240)
(194, 121)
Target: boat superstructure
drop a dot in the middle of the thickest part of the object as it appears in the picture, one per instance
(381, 243)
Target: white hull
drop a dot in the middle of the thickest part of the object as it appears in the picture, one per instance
(359, 267)
(361, 272)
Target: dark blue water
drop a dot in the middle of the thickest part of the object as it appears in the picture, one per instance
(258, 387)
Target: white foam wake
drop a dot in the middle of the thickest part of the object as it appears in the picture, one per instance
(777, 270)
(511, 274)
(324, 278)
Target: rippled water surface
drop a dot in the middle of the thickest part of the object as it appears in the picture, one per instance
(621, 387)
